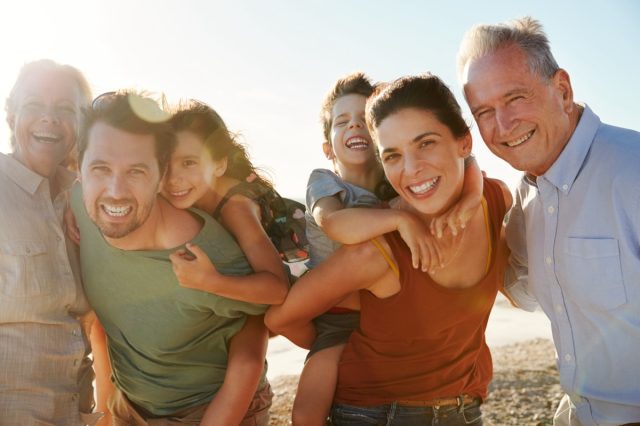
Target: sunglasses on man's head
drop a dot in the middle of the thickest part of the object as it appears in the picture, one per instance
(143, 106)
(99, 100)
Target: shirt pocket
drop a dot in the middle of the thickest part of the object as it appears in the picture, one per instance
(25, 268)
(594, 273)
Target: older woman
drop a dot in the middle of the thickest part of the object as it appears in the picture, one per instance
(45, 375)
(420, 353)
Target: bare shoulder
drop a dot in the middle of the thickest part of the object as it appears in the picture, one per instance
(239, 203)
(178, 226)
(368, 264)
(364, 253)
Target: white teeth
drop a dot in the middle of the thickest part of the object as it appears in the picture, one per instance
(424, 187)
(179, 193)
(520, 140)
(357, 143)
(46, 137)
(117, 211)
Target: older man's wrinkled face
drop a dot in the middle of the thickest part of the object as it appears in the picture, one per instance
(523, 118)
(45, 120)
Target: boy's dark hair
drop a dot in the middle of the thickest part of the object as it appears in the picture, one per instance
(426, 92)
(131, 112)
(356, 83)
(202, 120)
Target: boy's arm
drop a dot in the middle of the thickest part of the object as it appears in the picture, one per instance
(356, 225)
(247, 352)
(458, 215)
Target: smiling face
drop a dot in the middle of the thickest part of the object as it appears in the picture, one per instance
(422, 159)
(350, 140)
(523, 118)
(120, 180)
(45, 120)
(192, 172)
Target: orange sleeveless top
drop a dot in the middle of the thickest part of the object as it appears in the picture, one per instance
(426, 341)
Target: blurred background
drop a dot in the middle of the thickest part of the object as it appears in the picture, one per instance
(266, 65)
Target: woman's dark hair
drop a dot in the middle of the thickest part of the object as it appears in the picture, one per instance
(202, 120)
(426, 92)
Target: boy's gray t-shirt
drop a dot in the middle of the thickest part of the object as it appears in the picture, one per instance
(325, 183)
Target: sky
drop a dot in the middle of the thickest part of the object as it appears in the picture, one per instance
(265, 66)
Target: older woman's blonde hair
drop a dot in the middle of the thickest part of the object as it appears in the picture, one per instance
(47, 66)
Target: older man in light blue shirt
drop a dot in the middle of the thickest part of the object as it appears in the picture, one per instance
(574, 231)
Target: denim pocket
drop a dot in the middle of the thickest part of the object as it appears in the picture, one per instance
(594, 273)
(346, 415)
(451, 416)
(472, 415)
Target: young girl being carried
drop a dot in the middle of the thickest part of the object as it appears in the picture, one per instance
(207, 166)
(211, 171)
(334, 217)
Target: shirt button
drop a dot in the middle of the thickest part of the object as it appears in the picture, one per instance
(74, 332)
(565, 187)
(568, 357)
(558, 308)
(548, 260)
(551, 209)
(74, 397)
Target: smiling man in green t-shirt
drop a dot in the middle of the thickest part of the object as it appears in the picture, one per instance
(167, 345)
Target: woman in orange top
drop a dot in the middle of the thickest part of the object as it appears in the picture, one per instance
(420, 354)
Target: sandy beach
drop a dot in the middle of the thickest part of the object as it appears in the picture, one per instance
(524, 390)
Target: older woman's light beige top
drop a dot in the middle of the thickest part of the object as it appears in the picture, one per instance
(45, 374)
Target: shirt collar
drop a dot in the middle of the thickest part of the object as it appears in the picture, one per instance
(564, 171)
(29, 180)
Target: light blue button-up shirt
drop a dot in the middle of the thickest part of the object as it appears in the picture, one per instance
(578, 230)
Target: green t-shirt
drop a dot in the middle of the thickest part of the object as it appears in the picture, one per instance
(167, 344)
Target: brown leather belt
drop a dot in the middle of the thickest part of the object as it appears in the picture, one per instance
(440, 402)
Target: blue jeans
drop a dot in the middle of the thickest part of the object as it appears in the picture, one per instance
(398, 415)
